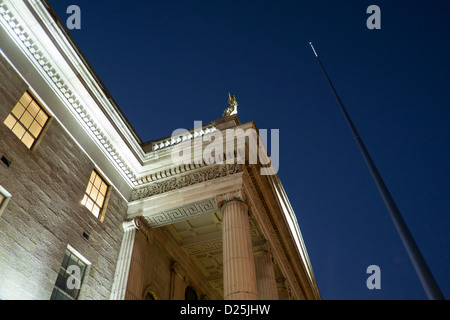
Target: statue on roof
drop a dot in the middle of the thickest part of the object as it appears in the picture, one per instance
(232, 106)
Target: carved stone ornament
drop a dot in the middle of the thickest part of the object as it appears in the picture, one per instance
(181, 213)
(261, 246)
(185, 180)
(232, 106)
(179, 270)
(237, 195)
(138, 223)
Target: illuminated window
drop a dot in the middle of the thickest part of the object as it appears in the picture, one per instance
(96, 195)
(27, 120)
(70, 276)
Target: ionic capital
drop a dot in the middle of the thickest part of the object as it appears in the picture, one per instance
(261, 246)
(138, 223)
(178, 270)
(237, 195)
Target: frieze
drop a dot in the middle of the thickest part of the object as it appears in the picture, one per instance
(210, 173)
(181, 213)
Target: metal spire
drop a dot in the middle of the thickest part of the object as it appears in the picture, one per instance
(423, 272)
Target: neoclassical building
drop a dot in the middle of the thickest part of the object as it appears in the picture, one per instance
(90, 211)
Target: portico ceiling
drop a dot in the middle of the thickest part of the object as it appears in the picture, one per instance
(201, 239)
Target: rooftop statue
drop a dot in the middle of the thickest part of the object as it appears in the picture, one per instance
(232, 106)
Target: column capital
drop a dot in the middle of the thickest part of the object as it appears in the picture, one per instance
(138, 223)
(178, 270)
(237, 195)
(261, 246)
(129, 225)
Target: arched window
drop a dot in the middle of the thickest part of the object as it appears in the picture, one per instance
(190, 293)
(150, 295)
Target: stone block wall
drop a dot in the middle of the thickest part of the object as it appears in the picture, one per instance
(45, 213)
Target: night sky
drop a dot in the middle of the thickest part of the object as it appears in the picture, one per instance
(170, 63)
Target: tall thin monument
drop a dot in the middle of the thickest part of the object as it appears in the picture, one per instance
(426, 278)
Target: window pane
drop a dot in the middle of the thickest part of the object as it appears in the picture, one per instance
(25, 100)
(35, 129)
(26, 119)
(28, 140)
(66, 260)
(10, 121)
(33, 108)
(99, 200)
(89, 204)
(89, 188)
(41, 118)
(82, 267)
(61, 279)
(96, 210)
(18, 130)
(83, 202)
(61, 296)
(97, 182)
(53, 296)
(18, 110)
(73, 260)
(93, 194)
(92, 178)
(103, 188)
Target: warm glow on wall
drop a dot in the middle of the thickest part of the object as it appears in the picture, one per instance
(95, 196)
(27, 120)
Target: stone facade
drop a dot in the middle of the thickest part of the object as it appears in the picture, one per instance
(44, 214)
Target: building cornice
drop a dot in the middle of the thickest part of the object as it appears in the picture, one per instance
(185, 180)
(41, 40)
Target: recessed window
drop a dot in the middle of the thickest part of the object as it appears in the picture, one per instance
(151, 296)
(190, 293)
(27, 120)
(4, 198)
(96, 195)
(70, 277)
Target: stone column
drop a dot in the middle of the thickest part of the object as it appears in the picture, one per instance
(119, 288)
(283, 293)
(177, 281)
(123, 262)
(265, 273)
(239, 276)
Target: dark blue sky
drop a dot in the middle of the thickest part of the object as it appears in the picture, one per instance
(169, 63)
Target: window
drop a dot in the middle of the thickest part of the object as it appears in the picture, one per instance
(70, 277)
(4, 198)
(96, 195)
(27, 120)
(151, 296)
(190, 293)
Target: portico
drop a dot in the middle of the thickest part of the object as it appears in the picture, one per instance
(232, 233)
